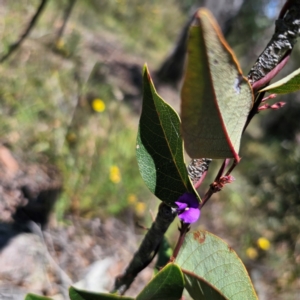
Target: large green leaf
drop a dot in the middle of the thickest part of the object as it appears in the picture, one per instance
(168, 284)
(159, 148)
(200, 289)
(76, 294)
(36, 297)
(216, 98)
(206, 259)
(288, 84)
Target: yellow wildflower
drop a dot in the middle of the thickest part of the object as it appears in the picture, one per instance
(263, 243)
(156, 11)
(71, 137)
(140, 208)
(98, 105)
(115, 175)
(131, 199)
(60, 44)
(251, 253)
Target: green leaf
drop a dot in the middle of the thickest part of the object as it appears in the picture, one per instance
(200, 289)
(36, 297)
(159, 147)
(76, 294)
(288, 84)
(168, 284)
(204, 257)
(216, 98)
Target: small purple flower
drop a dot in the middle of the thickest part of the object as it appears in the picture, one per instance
(188, 208)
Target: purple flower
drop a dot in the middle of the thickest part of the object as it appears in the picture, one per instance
(188, 208)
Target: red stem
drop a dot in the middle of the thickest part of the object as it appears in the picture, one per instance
(206, 197)
(234, 164)
(284, 9)
(183, 231)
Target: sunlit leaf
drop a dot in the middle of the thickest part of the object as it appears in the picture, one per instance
(76, 294)
(288, 84)
(36, 297)
(207, 260)
(216, 98)
(168, 284)
(159, 148)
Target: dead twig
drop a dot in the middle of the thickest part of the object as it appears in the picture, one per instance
(13, 47)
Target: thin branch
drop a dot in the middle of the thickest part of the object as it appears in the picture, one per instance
(287, 30)
(147, 249)
(183, 231)
(13, 47)
(66, 17)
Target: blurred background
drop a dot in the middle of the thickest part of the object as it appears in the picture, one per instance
(70, 97)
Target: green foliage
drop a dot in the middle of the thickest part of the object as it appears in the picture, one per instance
(166, 285)
(36, 297)
(216, 99)
(205, 256)
(159, 147)
(139, 21)
(200, 289)
(47, 114)
(288, 84)
(275, 194)
(38, 105)
(76, 294)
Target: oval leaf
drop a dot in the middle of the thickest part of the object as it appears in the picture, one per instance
(288, 84)
(216, 98)
(168, 284)
(159, 148)
(208, 257)
(76, 294)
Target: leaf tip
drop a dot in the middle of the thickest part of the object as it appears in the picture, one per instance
(145, 68)
(146, 73)
(203, 12)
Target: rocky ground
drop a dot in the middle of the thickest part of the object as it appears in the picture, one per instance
(45, 258)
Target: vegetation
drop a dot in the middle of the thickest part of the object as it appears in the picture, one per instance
(72, 102)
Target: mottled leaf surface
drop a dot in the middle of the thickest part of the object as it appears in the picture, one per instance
(204, 257)
(216, 98)
(288, 84)
(159, 147)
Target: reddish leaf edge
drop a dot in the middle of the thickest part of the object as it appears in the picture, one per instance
(223, 41)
